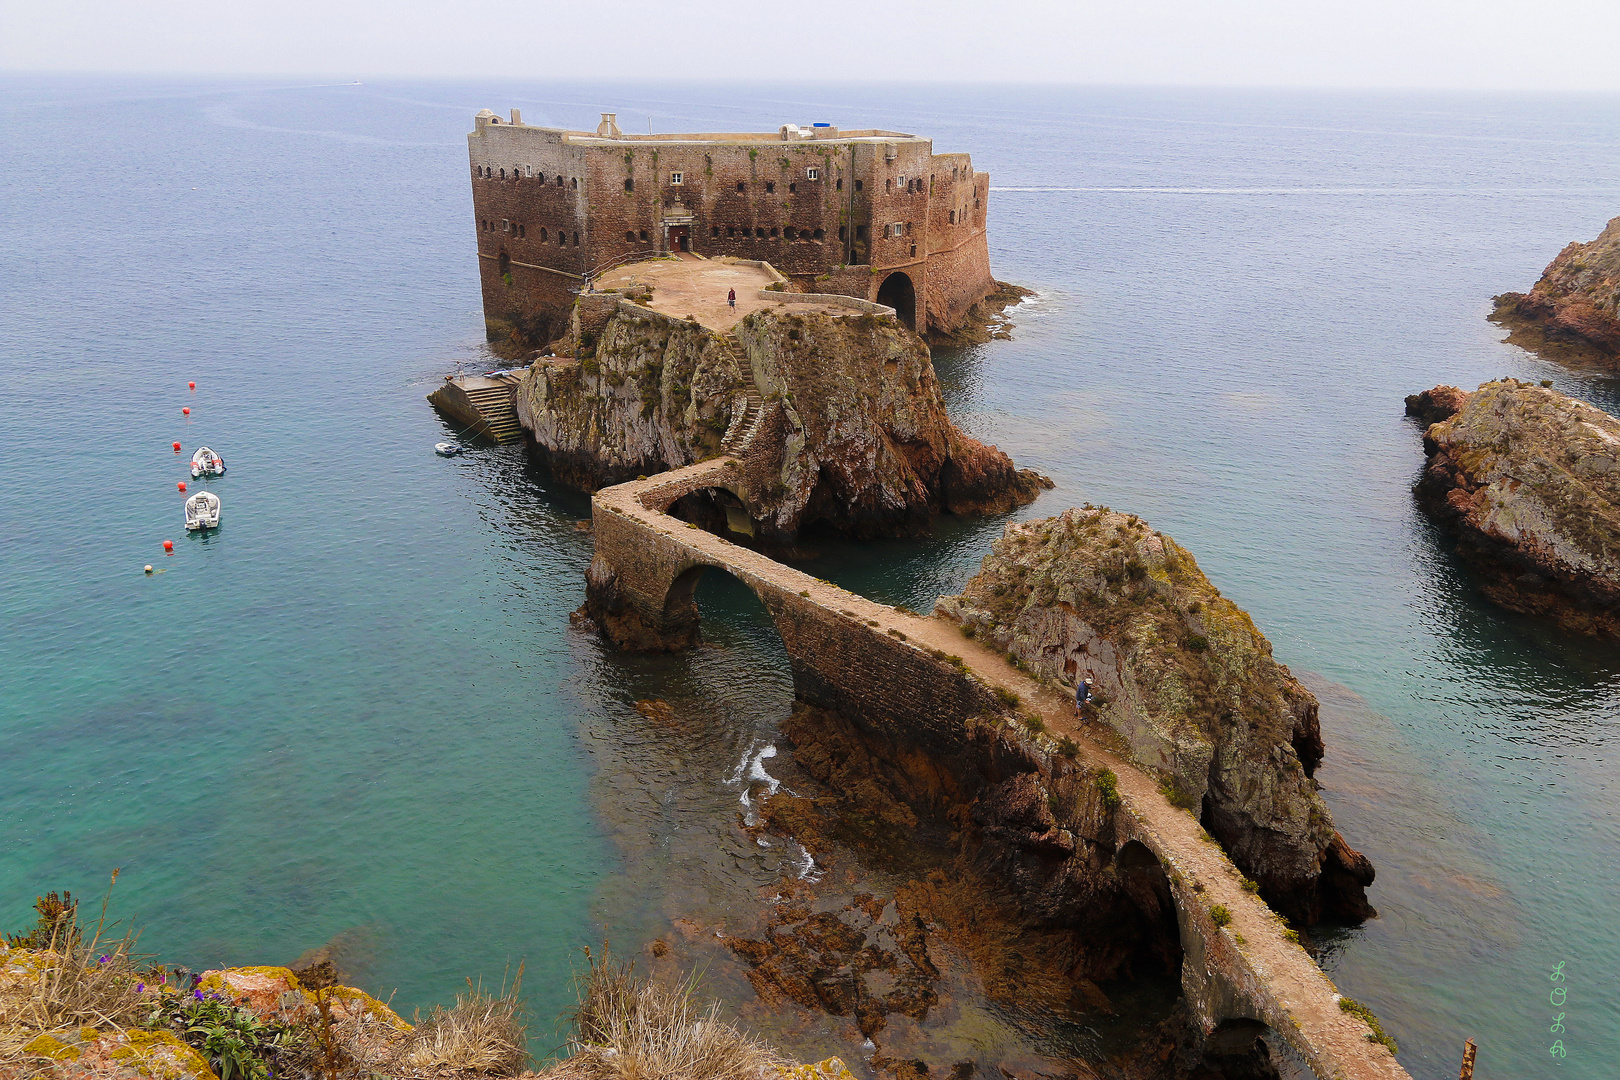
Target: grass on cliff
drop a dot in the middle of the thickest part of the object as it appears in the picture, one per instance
(628, 1028)
(69, 982)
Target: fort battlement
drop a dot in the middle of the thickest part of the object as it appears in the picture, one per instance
(868, 213)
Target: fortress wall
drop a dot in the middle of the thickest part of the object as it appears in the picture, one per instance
(958, 279)
(855, 220)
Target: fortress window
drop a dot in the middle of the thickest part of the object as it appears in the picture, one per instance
(860, 184)
(760, 233)
(812, 174)
(630, 236)
(975, 204)
(643, 236)
(629, 184)
(542, 178)
(523, 234)
(506, 224)
(714, 232)
(792, 188)
(953, 217)
(574, 183)
(731, 232)
(528, 170)
(677, 178)
(888, 185)
(790, 233)
(741, 187)
(576, 240)
(843, 232)
(543, 236)
(562, 238)
(775, 233)
(559, 180)
(819, 233)
(503, 174)
(897, 229)
(770, 187)
(840, 183)
(914, 250)
(517, 171)
(860, 232)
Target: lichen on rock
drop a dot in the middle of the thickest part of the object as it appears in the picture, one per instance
(1529, 481)
(1186, 681)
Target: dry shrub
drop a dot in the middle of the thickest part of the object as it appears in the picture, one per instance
(66, 983)
(627, 1028)
(483, 1034)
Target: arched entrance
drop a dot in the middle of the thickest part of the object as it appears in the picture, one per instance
(898, 292)
(505, 265)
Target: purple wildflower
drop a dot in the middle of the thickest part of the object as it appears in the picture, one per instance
(103, 960)
(197, 994)
(140, 988)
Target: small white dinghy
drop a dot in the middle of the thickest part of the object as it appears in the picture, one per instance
(206, 463)
(447, 449)
(202, 511)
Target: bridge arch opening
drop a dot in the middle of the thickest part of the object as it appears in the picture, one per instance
(1144, 880)
(898, 292)
(717, 510)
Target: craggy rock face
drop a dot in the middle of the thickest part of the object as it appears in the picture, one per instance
(1187, 682)
(1529, 480)
(854, 432)
(1577, 296)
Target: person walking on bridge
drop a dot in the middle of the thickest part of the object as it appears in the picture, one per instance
(731, 299)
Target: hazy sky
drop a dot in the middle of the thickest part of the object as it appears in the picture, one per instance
(1475, 44)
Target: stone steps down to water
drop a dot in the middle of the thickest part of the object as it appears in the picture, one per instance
(481, 405)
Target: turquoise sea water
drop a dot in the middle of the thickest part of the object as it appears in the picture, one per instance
(357, 712)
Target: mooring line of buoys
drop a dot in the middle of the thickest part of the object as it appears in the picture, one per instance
(168, 545)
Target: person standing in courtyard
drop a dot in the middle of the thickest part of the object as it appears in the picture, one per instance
(731, 299)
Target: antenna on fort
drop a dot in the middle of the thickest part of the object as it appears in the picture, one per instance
(649, 125)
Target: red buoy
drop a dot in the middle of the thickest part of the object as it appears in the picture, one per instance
(182, 486)
(177, 448)
(168, 546)
(186, 411)
(191, 386)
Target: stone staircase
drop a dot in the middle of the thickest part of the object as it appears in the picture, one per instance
(748, 407)
(484, 405)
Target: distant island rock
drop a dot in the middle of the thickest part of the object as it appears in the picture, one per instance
(1577, 299)
(1529, 481)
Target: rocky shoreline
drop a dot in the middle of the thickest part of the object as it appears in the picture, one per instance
(1528, 480)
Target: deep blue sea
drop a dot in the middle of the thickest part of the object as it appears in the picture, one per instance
(357, 715)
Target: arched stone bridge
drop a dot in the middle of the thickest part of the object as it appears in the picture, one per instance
(866, 659)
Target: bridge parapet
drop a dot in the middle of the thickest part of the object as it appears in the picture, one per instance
(919, 677)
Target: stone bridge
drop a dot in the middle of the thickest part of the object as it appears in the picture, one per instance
(899, 672)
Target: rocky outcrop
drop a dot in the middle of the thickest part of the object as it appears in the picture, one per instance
(851, 429)
(1188, 684)
(1529, 481)
(1577, 298)
(985, 321)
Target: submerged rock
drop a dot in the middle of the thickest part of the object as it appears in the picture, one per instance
(1578, 296)
(1529, 481)
(851, 428)
(1188, 683)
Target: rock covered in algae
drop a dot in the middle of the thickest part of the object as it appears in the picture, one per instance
(1529, 481)
(1186, 680)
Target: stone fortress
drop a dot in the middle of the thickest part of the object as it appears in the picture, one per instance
(871, 214)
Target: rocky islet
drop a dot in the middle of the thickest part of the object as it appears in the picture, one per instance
(1528, 480)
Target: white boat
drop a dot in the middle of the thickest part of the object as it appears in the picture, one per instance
(202, 511)
(447, 449)
(206, 463)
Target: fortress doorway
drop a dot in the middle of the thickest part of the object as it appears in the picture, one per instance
(898, 292)
(680, 238)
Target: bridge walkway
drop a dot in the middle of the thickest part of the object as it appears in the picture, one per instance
(1246, 969)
